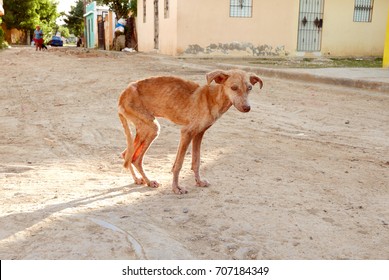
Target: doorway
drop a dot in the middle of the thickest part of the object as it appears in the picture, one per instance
(310, 25)
(101, 33)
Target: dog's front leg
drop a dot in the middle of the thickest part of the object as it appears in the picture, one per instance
(186, 138)
(196, 148)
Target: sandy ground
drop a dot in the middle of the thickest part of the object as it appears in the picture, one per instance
(304, 175)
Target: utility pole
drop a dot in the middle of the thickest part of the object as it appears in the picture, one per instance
(84, 12)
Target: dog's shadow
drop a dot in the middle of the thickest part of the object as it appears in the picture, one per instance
(17, 222)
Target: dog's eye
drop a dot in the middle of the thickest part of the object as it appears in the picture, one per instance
(234, 87)
(249, 88)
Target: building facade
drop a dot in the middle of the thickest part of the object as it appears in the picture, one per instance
(262, 27)
(99, 26)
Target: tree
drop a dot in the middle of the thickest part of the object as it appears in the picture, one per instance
(121, 8)
(64, 31)
(47, 11)
(21, 14)
(134, 8)
(2, 40)
(74, 20)
(25, 15)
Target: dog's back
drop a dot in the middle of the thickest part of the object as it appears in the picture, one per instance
(170, 87)
(167, 97)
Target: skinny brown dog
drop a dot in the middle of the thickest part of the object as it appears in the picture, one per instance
(196, 108)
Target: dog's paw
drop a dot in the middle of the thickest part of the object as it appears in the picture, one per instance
(139, 181)
(202, 183)
(153, 184)
(179, 190)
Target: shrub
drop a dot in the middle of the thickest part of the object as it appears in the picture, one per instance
(3, 44)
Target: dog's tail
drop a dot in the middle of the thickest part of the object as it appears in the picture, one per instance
(128, 153)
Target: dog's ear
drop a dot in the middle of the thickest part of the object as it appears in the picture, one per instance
(255, 79)
(218, 76)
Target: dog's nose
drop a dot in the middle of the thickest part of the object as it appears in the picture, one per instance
(246, 108)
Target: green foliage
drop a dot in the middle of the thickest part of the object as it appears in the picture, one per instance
(2, 42)
(1, 38)
(64, 31)
(20, 14)
(25, 15)
(74, 20)
(47, 11)
(134, 7)
(121, 8)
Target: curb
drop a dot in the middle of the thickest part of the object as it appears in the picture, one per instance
(312, 78)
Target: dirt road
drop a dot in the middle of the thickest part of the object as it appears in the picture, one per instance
(304, 175)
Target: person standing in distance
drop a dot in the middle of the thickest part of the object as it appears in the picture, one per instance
(38, 38)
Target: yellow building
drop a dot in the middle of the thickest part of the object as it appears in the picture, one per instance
(262, 27)
(386, 50)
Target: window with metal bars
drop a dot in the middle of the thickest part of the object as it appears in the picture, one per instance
(144, 11)
(363, 10)
(241, 8)
(166, 9)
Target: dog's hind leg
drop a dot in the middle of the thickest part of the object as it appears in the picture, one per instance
(129, 151)
(146, 133)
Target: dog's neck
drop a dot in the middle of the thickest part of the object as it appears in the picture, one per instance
(219, 101)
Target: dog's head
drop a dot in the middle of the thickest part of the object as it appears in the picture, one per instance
(237, 84)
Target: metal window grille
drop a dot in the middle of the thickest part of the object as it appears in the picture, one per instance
(241, 8)
(310, 25)
(166, 10)
(363, 10)
(144, 11)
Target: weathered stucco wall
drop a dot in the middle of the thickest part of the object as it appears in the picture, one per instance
(344, 37)
(205, 27)
(145, 26)
(167, 27)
